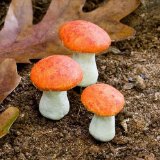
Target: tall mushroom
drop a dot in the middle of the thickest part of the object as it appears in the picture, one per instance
(105, 102)
(85, 39)
(55, 75)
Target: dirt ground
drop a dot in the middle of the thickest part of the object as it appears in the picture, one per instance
(133, 67)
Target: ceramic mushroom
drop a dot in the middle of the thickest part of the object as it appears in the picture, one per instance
(85, 39)
(105, 102)
(55, 75)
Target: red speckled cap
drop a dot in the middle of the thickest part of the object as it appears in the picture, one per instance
(102, 99)
(84, 37)
(56, 73)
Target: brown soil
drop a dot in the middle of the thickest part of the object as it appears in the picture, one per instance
(132, 66)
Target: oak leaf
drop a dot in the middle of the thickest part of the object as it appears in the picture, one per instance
(22, 42)
(9, 79)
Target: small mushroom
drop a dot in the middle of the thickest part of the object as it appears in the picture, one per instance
(55, 75)
(85, 39)
(105, 102)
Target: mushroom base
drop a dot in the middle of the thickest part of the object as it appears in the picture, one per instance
(54, 105)
(89, 68)
(102, 128)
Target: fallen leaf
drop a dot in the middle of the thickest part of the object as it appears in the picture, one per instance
(18, 18)
(9, 79)
(7, 118)
(42, 40)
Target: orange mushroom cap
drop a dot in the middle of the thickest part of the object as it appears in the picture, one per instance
(84, 37)
(56, 73)
(102, 99)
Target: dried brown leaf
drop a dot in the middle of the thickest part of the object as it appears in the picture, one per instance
(109, 14)
(42, 39)
(19, 17)
(9, 79)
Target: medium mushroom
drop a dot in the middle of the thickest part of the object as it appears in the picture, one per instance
(105, 102)
(85, 39)
(55, 75)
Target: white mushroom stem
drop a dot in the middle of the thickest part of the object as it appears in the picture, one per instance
(102, 128)
(54, 105)
(89, 68)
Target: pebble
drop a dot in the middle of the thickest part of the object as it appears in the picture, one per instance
(124, 124)
(158, 138)
(128, 86)
(114, 50)
(157, 96)
(143, 76)
(130, 79)
(140, 83)
(103, 68)
(17, 149)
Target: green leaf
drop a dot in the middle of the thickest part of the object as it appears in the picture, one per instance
(7, 118)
